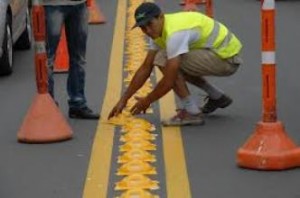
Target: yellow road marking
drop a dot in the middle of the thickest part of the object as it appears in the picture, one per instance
(99, 168)
(177, 180)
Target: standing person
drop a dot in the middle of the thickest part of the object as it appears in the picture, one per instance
(74, 15)
(186, 46)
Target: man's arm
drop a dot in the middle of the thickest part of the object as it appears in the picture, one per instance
(141, 75)
(168, 80)
(163, 87)
(139, 78)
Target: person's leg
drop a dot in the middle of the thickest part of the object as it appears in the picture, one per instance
(54, 22)
(190, 114)
(204, 62)
(199, 63)
(200, 82)
(76, 25)
(180, 88)
(215, 97)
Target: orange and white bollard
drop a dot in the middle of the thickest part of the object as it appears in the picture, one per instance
(190, 5)
(269, 148)
(39, 33)
(209, 8)
(43, 122)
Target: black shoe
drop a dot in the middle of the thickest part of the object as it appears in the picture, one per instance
(211, 105)
(83, 113)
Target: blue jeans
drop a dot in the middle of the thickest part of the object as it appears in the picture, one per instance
(75, 19)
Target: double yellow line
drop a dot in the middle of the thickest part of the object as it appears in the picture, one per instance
(97, 179)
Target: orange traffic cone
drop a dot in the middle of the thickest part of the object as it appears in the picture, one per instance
(96, 16)
(61, 63)
(43, 122)
(269, 148)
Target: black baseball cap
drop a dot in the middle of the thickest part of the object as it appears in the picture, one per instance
(145, 13)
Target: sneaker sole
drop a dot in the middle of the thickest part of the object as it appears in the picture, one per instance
(82, 118)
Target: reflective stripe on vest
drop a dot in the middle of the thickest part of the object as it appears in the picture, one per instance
(213, 35)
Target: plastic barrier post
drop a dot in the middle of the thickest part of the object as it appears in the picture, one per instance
(209, 8)
(190, 5)
(269, 147)
(43, 122)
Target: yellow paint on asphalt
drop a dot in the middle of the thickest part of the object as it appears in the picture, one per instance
(177, 179)
(100, 161)
(97, 179)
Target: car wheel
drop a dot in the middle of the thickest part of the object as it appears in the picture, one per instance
(25, 40)
(6, 61)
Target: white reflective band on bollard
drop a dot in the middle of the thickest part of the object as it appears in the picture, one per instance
(268, 57)
(268, 5)
(40, 47)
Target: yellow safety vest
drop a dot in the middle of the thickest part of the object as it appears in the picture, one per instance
(213, 34)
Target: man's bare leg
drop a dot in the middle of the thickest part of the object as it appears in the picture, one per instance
(181, 90)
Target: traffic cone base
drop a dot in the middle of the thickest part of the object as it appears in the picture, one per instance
(44, 122)
(269, 148)
(96, 16)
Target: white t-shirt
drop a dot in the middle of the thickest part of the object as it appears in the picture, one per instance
(178, 43)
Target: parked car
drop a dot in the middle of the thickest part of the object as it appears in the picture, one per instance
(15, 31)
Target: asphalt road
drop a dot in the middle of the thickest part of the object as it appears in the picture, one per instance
(59, 170)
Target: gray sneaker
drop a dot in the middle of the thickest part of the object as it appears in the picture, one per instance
(211, 105)
(183, 118)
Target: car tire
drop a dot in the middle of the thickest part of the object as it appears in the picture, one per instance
(6, 61)
(25, 40)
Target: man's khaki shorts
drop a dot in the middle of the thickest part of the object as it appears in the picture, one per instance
(202, 62)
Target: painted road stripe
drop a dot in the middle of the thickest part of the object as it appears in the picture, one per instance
(97, 179)
(177, 180)
(99, 167)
